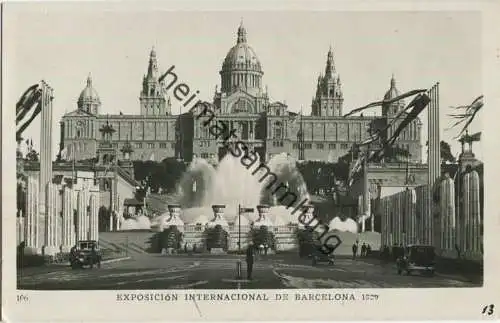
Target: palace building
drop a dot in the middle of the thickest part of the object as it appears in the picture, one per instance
(269, 128)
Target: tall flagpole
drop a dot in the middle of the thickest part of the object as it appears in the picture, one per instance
(301, 139)
(239, 227)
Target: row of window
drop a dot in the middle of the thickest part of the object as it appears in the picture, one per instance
(152, 145)
(321, 146)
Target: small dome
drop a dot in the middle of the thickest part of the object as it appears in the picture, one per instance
(89, 94)
(241, 56)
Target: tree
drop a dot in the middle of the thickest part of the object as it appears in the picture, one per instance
(262, 236)
(446, 154)
(305, 239)
(32, 155)
(164, 174)
(396, 154)
(217, 237)
(171, 238)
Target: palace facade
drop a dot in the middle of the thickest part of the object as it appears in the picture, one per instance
(268, 128)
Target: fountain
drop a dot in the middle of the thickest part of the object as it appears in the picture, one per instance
(203, 189)
(194, 188)
(209, 195)
(233, 184)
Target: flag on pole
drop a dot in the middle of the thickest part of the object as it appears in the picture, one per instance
(28, 108)
(26, 97)
(379, 103)
(471, 138)
(468, 115)
(418, 105)
(475, 137)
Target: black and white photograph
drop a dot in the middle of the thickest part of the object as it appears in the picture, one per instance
(243, 151)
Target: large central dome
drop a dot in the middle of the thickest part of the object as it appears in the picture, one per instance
(241, 56)
(241, 67)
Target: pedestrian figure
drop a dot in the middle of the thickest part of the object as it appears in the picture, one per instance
(387, 253)
(194, 248)
(265, 249)
(457, 249)
(249, 258)
(363, 250)
(261, 249)
(354, 250)
(368, 249)
(186, 248)
(94, 257)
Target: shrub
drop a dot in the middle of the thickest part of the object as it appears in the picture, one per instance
(217, 237)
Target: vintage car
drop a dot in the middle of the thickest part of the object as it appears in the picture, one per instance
(318, 256)
(85, 253)
(417, 258)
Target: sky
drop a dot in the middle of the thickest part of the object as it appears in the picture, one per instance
(63, 44)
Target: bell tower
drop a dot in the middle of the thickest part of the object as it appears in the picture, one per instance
(153, 95)
(329, 99)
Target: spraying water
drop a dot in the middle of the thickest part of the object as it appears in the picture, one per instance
(233, 184)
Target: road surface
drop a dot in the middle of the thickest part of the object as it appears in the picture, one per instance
(219, 272)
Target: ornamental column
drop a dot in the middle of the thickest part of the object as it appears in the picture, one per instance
(50, 247)
(81, 215)
(45, 152)
(68, 232)
(93, 220)
(434, 161)
(31, 219)
(475, 214)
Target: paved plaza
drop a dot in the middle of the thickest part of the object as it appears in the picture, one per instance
(149, 271)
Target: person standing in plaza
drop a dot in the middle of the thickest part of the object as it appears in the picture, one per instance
(250, 258)
(354, 250)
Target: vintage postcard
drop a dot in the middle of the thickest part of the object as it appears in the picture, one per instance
(208, 160)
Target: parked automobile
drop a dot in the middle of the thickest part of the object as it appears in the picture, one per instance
(417, 258)
(319, 257)
(85, 253)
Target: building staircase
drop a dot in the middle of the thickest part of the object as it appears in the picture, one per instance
(129, 242)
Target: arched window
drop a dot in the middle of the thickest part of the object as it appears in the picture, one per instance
(278, 131)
